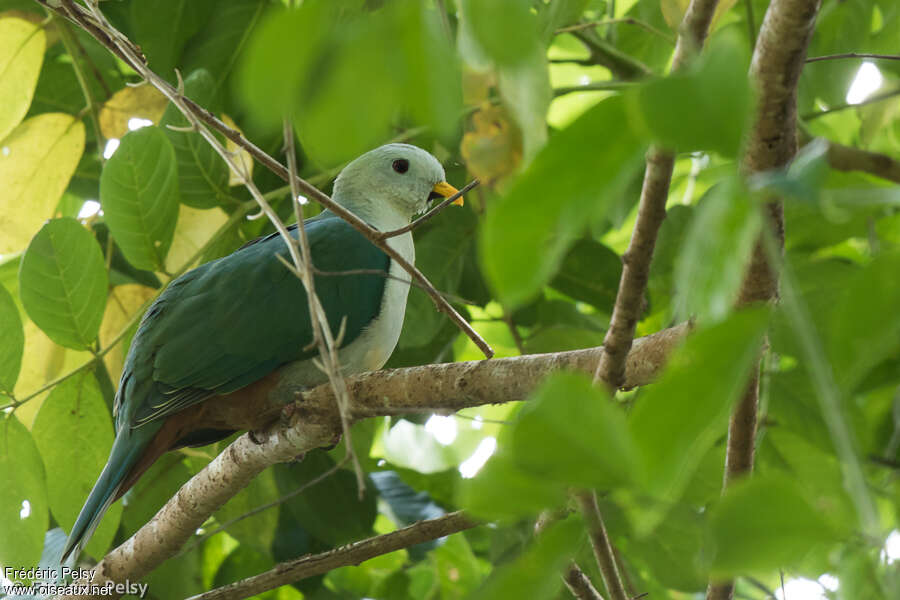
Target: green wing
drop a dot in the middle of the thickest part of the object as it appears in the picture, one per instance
(232, 321)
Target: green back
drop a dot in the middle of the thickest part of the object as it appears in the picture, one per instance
(232, 321)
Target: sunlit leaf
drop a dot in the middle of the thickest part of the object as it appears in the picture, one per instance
(573, 180)
(37, 160)
(23, 496)
(132, 102)
(677, 421)
(76, 405)
(764, 523)
(13, 342)
(21, 55)
(63, 283)
(718, 245)
(139, 195)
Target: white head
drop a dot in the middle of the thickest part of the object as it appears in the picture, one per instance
(395, 178)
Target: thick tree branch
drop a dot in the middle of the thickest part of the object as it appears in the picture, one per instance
(314, 422)
(123, 48)
(352, 554)
(848, 158)
(778, 60)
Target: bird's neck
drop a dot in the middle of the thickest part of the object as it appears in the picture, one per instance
(384, 216)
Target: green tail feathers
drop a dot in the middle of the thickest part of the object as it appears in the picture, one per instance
(126, 451)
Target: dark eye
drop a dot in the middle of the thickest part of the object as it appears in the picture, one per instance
(401, 165)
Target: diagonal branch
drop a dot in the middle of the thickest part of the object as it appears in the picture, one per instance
(352, 554)
(123, 48)
(651, 213)
(313, 422)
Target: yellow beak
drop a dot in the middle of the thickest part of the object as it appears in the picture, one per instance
(446, 190)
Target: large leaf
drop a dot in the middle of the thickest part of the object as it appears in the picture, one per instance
(163, 28)
(139, 195)
(570, 431)
(256, 532)
(37, 160)
(338, 51)
(76, 405)
(573, 180)
(763, 524)
(505, 30)
(677, 420)
(13, 342)
(23, 496)
(21, 54)
(535, 573)
(590, 273)
(703, 109)
(859, 343)
(202, 174)
(63, 283)
(711, 265)
(330, 510)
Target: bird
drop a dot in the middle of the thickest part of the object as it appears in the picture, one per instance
(227, 326)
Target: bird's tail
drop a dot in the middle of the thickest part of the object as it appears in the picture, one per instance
(126, 451)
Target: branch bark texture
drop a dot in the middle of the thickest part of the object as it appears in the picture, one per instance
(311, 420)
(651, 213)
(778, 60)
(351, 554)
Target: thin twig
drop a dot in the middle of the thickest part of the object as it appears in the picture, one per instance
(351, 554)
(264, 507)
(322, 335)
(68, 40)
(431, 213)
(751, 23)
(594, 86)
(813, 59)
(626, 20)
(602, 546)
(579, 584)
(870, 100)
(117, 43)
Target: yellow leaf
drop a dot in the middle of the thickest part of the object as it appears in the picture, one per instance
(21, 54)
(242, 157)
(124, 301)
(194, 229)
(493, 148)
(36, 162)
(138, 102)
(42, 362)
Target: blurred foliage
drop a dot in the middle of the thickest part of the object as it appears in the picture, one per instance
(89, 233)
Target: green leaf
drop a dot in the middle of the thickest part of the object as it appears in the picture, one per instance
(717, 248)
(337, 53)
(21, 54)
(763, 524)
(139, 195)
(23, 496)
(570, 431)
(258, 531)
(502, 490)
(706, 108)
(329, 510)
(590, 273)
(673, 552)
(858, 344)
(505, 30)
(573, 180)
(202, 174)
(13, 342)
(63, 283)
(163, 28)
(535, 574)
(677, 420)
(76, 405)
